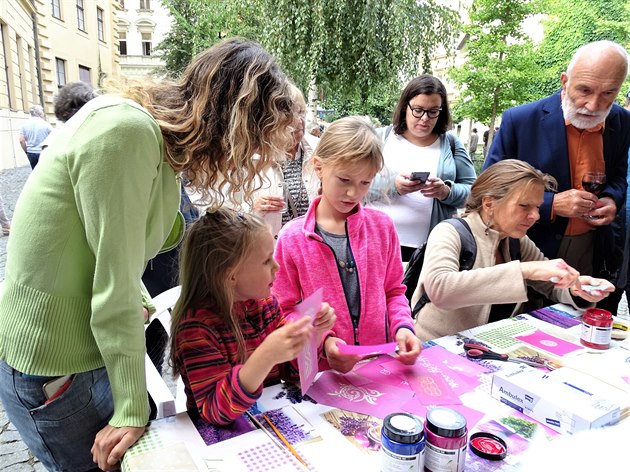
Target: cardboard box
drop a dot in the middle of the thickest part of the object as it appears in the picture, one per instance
(564, 399)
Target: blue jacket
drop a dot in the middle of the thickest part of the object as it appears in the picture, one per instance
(536, 133)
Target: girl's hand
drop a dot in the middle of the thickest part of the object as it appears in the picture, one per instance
(409, 346)
(592, 295)
(286, 342)
(324, 320)
(336, 360)
(435, 188)
(268, 204)
(556, 271)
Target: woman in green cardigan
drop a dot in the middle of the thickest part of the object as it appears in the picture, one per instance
(101, 204)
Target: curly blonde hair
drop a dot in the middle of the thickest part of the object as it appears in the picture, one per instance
(231, 102)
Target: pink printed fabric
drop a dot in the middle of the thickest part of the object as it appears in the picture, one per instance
(334, 389)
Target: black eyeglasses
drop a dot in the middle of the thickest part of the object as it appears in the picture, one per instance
(419, 112)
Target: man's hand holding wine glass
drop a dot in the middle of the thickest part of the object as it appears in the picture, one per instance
(604, 210)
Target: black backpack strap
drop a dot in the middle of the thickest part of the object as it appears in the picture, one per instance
(468, 251)
(467, 255)
(515, 249)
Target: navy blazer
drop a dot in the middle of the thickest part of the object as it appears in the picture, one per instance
(536, 133)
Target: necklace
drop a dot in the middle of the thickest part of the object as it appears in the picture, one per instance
(348, 264)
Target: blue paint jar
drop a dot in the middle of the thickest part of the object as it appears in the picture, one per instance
(402, 443)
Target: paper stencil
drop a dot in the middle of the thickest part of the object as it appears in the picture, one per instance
(307, 359)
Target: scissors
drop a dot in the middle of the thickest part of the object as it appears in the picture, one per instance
(477, 351)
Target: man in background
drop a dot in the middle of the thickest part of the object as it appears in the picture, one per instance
(473, 141)
(33, 133)
(567, 135)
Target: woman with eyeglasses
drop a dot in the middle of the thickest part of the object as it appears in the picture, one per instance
(419, 144)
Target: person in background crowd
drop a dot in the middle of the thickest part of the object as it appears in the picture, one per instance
(350, 251)
(420, 143)
(33, 133)
(484, 150)
(294, 176)
(576, 131)
(472, 144)
(503, 204)
(315, 129)
(68, 101)
(103, 203)
(229, 336)
(5, 223)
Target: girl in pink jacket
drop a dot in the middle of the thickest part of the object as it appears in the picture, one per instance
(351, 251)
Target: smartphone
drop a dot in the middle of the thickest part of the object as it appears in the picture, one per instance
(419, 176)
(55, 387)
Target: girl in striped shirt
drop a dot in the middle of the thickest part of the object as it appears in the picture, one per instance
(229, 336)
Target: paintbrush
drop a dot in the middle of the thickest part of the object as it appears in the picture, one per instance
(286, 443)
(286, 447)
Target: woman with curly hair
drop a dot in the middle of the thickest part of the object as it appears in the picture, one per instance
(102, 204)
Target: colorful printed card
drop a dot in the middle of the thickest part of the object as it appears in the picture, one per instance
(308, 359)
(549, 343)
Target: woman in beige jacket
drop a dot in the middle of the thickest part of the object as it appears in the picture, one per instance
(503, 204)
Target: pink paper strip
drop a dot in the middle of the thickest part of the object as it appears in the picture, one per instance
(334, 389)
(549, 343)
(374, 350)
(432, 389)
(308, 359)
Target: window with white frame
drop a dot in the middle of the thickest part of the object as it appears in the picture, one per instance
(122, 43)
(80, 15)
(100, 24)
(146, 44)
(145, 4)
(56, 9)
(61, 72)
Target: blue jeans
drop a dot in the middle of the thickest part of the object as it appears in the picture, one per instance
(61, 433)
(33, 158)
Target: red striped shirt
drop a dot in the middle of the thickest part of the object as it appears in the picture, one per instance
(207, 353)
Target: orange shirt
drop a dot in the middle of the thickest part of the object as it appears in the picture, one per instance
(586, 154)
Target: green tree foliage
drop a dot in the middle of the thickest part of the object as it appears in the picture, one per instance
(358, 52)
(196, 25)
(500, 62)
(571, 24)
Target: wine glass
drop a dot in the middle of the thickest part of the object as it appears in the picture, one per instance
(594, 182)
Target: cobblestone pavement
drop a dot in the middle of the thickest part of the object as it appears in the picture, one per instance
(14, 455)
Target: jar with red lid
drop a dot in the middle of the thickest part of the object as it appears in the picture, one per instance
(596, 328)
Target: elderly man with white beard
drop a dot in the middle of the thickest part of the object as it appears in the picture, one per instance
(567, 135)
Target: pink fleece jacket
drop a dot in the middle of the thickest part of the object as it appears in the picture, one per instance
(307, 263)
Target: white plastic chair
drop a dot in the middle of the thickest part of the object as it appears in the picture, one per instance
(161, 394)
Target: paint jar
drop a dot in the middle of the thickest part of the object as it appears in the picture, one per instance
(447, 437)
(402, 443)
(596, 328)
